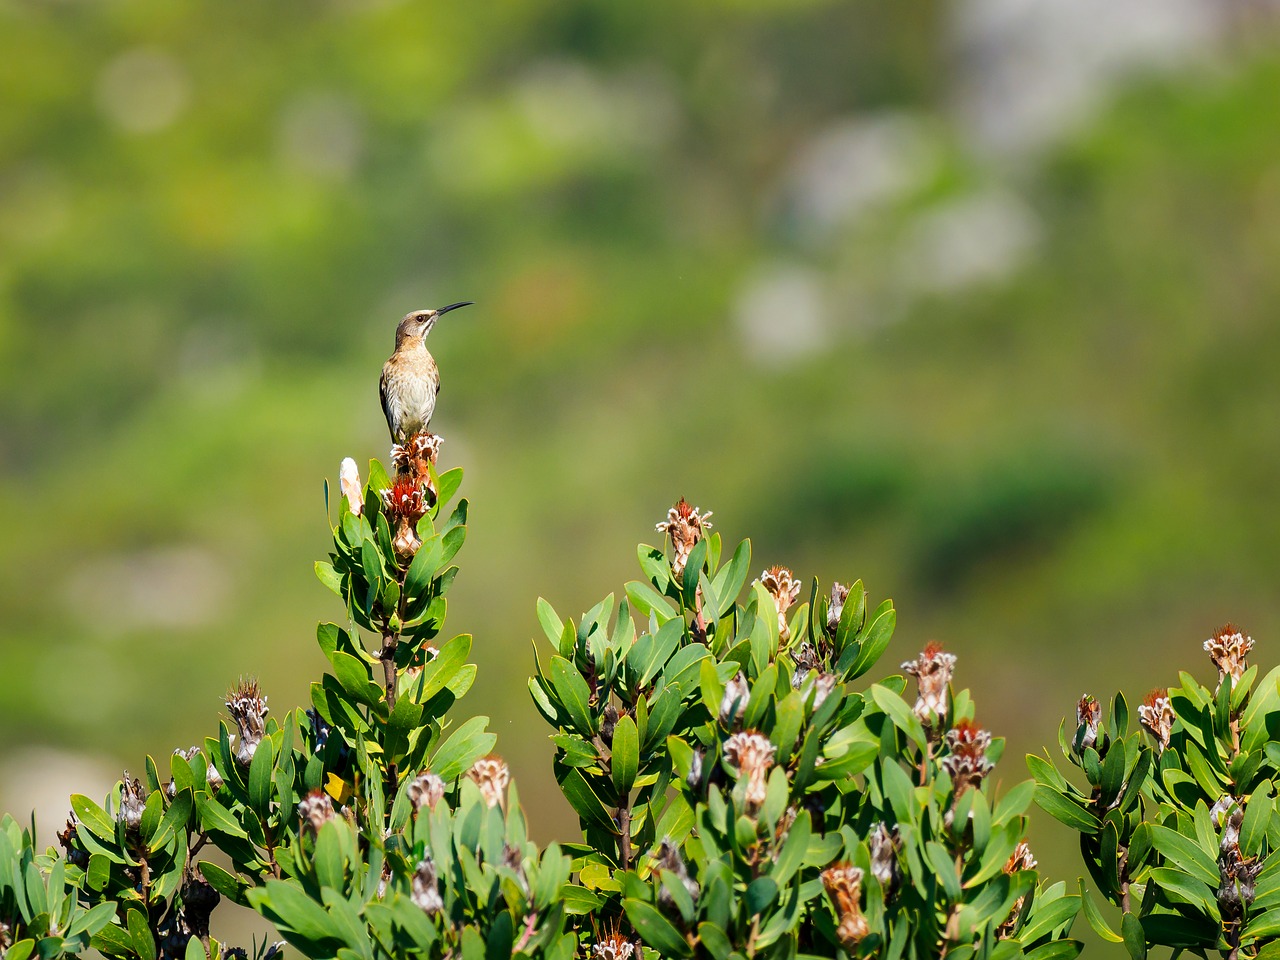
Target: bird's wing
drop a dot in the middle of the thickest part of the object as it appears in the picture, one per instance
(386, 408)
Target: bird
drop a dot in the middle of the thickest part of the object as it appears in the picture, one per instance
(410, 378)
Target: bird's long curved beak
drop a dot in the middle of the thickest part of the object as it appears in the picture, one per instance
(453, 306)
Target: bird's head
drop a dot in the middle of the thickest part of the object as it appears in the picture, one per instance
(419, 323)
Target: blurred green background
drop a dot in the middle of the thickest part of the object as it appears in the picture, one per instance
(976, 300)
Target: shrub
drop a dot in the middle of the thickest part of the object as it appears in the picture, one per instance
(737, 798)
(1177, 825)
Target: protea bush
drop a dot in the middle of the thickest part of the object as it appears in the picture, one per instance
(742, 790)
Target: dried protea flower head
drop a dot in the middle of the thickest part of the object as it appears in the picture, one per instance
(835, 607)
(68, 839)
(426, 889)
(416, 456)
(734, 701)
(613, 946)
(1156, 714)
(843, 882)
(1088, 715)
(933, 670)
(199, 899)
(315, 810)
(1228, 649)
(779, 583)
(823, 684)
(884, 844)
(1020, 859)
(248, 708)
(752, 753)
(491, 775)
(352, 489)
(213, 778)
(967, 763)
(425, 790)
(685, 526)
(133, 800)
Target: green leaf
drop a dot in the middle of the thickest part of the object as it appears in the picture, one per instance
(214, 816)
(1135, 939)
(140, 934)
(99, 871)
(579, 901)
(715, 941)
(626, 754)
(761, 892)
(93, 817)
(1186, 853)
(655, 929)
(354, 676)
(260, 768)
(287, 905)
(175, 818)
(328, 576)
(1257, 815)
(423, 568)
(585, 801)
(552, 625)
(897, 710)
(873, 643)
(1095, 918)
(1065, 810)
(574, 694)
(730, 578)
(1014, 803)
(1048, 917)
(1170, 880)
(464, 747)
(92, 921)
(1056, 950)
(227, 884)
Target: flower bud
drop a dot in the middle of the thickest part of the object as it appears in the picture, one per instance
(426, 889)
(685, 526)
(1228, 649)
(1156, 714)
(1088, 715)
(352, 489)
(491, 775)
(784, 588)
(315, 810)
(426, 789)
(843, 883)
(933, 670)
(967, 763)
(133, 801)
(734, 702)
(883, 844)
(752, 753)
(835, 607)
